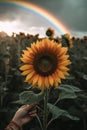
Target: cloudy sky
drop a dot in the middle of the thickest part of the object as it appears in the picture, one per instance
(72, 13)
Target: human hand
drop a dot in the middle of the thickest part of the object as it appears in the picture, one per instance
(24, 114)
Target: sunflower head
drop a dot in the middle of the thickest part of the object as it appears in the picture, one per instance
(68, 40)
(45, 64)
(50, 32)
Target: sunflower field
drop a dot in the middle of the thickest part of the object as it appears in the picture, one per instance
(51, 69)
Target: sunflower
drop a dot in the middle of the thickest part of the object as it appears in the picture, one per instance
(68, 40)
(50, 32)
(45, 64)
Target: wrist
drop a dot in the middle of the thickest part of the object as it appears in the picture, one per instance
(18, 122)
(15, 125)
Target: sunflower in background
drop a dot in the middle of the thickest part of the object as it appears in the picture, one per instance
(45, 64)
(50, 32)
(68, 40)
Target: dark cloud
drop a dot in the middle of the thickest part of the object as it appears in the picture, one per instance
(74, 14)
(71, 12)
(9, 12)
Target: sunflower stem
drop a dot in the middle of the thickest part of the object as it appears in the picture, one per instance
(49, 122)
(45, 116)
(39, 121)
(56, 101)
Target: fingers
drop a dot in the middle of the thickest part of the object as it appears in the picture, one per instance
(27, 108)
(24, 106)
(33, 115)
(30, 107)
(32, 112)
(29, 118)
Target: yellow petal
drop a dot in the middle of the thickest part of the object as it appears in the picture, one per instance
(63, 68)
(33, 46)
(26, 67)
(66, 73)
(56, 77)
(25, 60)
(40, 83)
(26, 72)
(51, 46)
(63, 57)
(51, 80)
(47, 82)
(35, 80)
(62, 51)
(60, 74)
(29, 56)
(64, 63)
(29, 50)
(29, 81)
(26, 52)
(37, 45)
(30, 75)
(59, 46)
(55, 84)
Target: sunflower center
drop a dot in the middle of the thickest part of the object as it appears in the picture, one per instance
(45, 64)
(49, 33)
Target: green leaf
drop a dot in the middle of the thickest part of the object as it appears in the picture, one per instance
(85, 58)
(68, 91)
(29, 97)
(70, 77)
(82, 75)
(82, 96)
(67, 95)
(85, 76)
(57, 112)
(69, 88)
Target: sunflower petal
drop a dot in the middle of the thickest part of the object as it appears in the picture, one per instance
(25, 67)
(60, 74)
(33, 47)
(63, 51)
(40, 83)
(56, 77)
(55, 84)
(63, 57)
(51, 80)
(30, 75)
(26, 72)
(47, 82)
(26, 60)
(35, 80)
(66, 73)
(64, 63)
(63, 68)
(26, 52)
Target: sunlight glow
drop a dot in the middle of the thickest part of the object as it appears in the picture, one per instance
(9, 27)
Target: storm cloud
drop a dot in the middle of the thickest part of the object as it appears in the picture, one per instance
(71, 12)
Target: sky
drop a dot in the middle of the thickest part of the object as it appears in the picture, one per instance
(72, 13)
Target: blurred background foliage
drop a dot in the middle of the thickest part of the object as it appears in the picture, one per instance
(67, 105)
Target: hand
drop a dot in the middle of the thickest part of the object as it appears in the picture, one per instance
(25, 114)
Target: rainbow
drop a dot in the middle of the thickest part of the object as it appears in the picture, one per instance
(51, 19)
